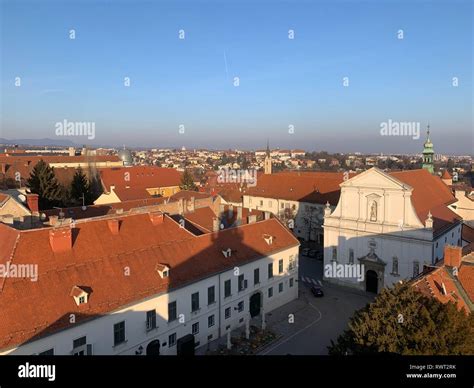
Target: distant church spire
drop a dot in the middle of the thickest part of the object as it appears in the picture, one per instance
(428, 153)
(268, 160)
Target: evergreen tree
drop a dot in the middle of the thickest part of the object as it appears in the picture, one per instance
(401, 320)
(187, 181)
(43, 182)
(80, 187)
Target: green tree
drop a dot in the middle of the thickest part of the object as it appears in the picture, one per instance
(43, 182)
(80, 187)
(401, 320)
(187, 181)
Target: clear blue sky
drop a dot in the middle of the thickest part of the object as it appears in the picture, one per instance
(282, 82)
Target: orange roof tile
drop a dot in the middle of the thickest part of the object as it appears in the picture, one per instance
(97, 259)
(139, 177)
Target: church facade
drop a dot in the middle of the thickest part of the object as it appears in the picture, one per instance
(389, 225)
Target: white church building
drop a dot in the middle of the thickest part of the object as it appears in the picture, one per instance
(391, 225)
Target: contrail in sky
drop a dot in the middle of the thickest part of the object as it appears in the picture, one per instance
(225, 61)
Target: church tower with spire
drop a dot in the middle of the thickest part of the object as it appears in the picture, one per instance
(268, 161)
(428, 153)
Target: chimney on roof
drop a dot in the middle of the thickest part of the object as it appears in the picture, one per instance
(252, 218)
(452, 256)
(181, 206)
(156, 218)
(32, 202)
(53, 220)
(114, 226)
(215, 224)
(60, 239)
(266, 215)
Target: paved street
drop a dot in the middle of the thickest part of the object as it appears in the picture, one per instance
(309, 323)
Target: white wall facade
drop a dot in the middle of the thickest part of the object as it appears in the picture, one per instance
(376, 221)
(308, 220)
(99, 332)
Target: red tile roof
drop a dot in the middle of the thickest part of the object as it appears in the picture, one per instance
(430, 194)
(132, 193)
(312, 187)
(431, 284)
(97, 260)
(446, 175)
(466, 275)
(144, 177)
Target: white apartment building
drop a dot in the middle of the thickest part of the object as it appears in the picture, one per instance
(179, 286)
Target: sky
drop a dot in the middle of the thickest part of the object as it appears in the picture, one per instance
(345, 73)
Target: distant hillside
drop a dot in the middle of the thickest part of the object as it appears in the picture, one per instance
(39, 142)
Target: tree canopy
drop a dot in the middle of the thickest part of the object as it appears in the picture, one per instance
(401, 320)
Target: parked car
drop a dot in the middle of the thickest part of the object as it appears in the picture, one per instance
(317, 291)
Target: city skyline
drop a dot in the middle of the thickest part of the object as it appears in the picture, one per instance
(400, 60)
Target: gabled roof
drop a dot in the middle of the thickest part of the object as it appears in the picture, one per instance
(98, 257)
(144, 177)
(430, 194)
(440, 284)
(312, 187)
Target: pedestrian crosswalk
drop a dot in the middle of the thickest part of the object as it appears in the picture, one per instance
(311, 281)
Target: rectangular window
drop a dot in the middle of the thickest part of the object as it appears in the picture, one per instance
(211, 295)
(280, 266)
(79, 342)
(270, 270)
(172, 340)
(270, 292)
(240, 307)
(241, 282)
(151, 319)
(172, 312)
(292, 264)
(195, 328)
(211, 321)
(334, 254)
(119, 333)
(351, 256)
(395, 266)
(280, 287)
(227, 288)
(291, 282)
(195, 301)
(269, 203)
(261, 203)
(256, 276)
(416, 268)
(227, 313)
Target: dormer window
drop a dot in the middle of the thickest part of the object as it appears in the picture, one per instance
(268, 239)
(163, 270)
(80, 295)
(227, 252)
